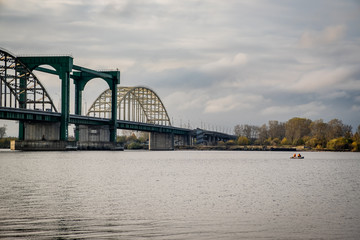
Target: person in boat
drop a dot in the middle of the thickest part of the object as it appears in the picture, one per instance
(294, 155)
(299, 155)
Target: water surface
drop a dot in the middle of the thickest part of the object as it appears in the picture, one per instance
(179, 195)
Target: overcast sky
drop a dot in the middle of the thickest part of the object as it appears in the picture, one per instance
(213, 63)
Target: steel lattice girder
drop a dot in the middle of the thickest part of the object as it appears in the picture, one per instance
(19, 87)
(138, 104)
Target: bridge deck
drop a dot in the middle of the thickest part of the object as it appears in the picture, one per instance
(41, 116)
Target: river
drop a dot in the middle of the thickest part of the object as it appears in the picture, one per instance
(179, 195)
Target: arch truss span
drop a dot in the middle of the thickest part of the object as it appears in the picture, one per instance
(20, 88)
(138, 104)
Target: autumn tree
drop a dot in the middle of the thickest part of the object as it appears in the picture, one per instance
(263, 133)
(336, 129)
(356, 140)
(296, 128)
(338, 144)
(238, 130)
(248, 131)
(276, 129)
(356, 137)
(242, 140)
(318, 132)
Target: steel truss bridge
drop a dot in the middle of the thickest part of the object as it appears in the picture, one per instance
(24, 98)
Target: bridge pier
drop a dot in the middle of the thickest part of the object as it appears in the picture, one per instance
(45, 136)
(41, 136)
(205, 137)
(182, 140)
(161, 141)
(41, 131)
(94, 133)
(96, 138)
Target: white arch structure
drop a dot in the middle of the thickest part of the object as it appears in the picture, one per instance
(138, 104)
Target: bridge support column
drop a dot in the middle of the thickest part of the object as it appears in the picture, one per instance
(182, 140)
(65, 108)
(96, 138)
(161, 141)
(22, 102)
(21, 130)
(94, 133)
(41, 131)
(113, 127)
(41, 136)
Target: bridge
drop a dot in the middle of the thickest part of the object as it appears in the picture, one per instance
(42, 127)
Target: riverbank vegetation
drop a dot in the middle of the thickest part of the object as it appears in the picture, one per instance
(131, 141)
(314, 135)
(5, 142)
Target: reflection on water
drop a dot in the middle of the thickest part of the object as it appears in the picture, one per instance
(179, 195)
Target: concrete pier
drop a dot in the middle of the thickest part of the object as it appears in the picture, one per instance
(42, 131)
(33, 145)
(161, 141)
(94, 133)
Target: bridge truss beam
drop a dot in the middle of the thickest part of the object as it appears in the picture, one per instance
(138, 104)
(20, 88)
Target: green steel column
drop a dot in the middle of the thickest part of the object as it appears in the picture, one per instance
(113, 127)
(78, 104)
(78, 98)
(65, 110)
(21, 130)
(22, 104)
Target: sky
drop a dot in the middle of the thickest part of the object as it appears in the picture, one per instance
(214, 64)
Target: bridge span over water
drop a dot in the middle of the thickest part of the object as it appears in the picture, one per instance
(43, 127)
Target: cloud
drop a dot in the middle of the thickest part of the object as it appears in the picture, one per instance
(223, 104)
(232, 103)
(186, 100)
(317, 38)
(357, 99)
(355, 108)
(327, 80)
(309, 110)
(226, 63)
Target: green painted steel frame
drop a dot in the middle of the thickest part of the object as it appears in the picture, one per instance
(81, 78)
(63, 66)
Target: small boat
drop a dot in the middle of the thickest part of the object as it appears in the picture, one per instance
(302, 157)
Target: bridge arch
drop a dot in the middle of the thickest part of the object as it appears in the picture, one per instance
(139, 104)
(19, 87)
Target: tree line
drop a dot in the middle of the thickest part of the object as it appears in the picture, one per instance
(332, 135)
